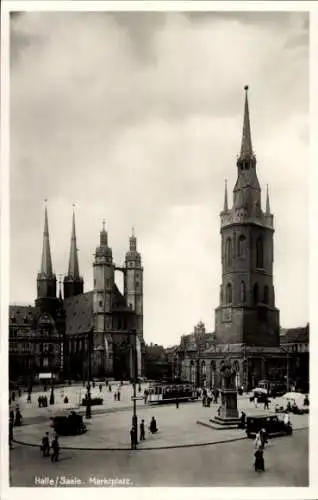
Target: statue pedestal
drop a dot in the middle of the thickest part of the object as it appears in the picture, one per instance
(229, 415)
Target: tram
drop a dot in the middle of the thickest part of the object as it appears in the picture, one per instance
(161, 393)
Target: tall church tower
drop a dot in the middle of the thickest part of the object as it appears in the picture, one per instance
(133, 283)
(46, 279)
(102, 303)
(73, 282)
(247, 312)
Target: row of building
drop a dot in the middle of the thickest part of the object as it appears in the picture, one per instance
(59, 335)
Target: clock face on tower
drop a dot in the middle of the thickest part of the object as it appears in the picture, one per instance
(226, 314)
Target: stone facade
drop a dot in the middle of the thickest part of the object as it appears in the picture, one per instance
(103, 325)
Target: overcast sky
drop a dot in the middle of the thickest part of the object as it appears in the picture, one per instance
(137, 118)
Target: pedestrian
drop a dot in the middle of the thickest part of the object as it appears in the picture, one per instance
(18, 417)
(133, 438)
(39, 401)
(110, 388)
(115, 396)
(55, 449)
(153, 426)
(10, 433)
(118, 395)
(142, 430)
(45, 445)
(266, 402)
(139, 388)
(13, 396)
(29, 397)
(255, 401)
(259, 464)
(19, 393)
(177, 403)
(286, 419)
(100, 387)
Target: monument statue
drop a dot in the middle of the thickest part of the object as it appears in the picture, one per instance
(228, 375)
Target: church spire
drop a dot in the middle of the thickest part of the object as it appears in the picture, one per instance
(133, 241)
(73, 268)
(225, 208)
(246, 145)
(268, 210)
(46, 264)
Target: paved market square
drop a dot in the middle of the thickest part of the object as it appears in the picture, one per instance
(182, 453)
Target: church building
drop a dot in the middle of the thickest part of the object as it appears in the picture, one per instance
(102, 327)
(247, 326)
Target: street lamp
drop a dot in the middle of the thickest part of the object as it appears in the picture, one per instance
(52, 390)
(134, 374)
(89, 376)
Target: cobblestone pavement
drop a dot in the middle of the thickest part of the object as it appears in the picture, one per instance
(227, 464)
(176, 426)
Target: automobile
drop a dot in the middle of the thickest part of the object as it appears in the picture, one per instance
(273, 425)
(70, 425)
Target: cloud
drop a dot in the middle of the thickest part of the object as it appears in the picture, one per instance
(137, 118)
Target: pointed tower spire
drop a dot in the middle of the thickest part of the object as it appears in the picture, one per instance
(226, 207)
(103, 235)
(133, 241)
(246, 145)
(268, 210)
(46, 264)
(73, 269)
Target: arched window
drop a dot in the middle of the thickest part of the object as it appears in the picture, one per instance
(242, 292)
(228, 252)
(266, 295)
(203, 368)
(259, 253)
(229, 293)
(255, 293)
(241, 247)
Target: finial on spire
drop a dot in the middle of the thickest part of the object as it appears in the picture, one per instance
(268, 210)
(225, 198)
(133, 231)
(246, 145)
(103, 222)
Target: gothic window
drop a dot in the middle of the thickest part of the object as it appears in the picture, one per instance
(255, 294)
(242, 292)
(259, 253)
(203, 368)
(229, 293)
(228, 252)
(266, 295)
(241, 247)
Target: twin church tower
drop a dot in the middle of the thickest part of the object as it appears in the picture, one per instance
(104, 314)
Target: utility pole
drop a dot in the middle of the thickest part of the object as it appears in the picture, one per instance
(88, 396)
(135, 374)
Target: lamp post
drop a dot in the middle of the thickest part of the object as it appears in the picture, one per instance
(52, 390)
(134, 374)
(89, 373)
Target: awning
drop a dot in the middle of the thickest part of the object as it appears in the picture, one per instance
(46, 375)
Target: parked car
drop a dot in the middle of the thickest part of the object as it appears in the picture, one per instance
(273, 425)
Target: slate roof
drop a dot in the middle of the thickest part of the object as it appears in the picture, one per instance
(26, 316)
(295, 335)
(79, 313)
(239, 349)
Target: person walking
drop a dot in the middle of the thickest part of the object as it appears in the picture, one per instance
(133, 438)
(115, 396)
(55, 449)
(142, 430)
(29, 397)
(18, 417)
(118, 395)
(100, 387)
(45, 445)
(153, 426)
(177, 403)
(266, 407)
